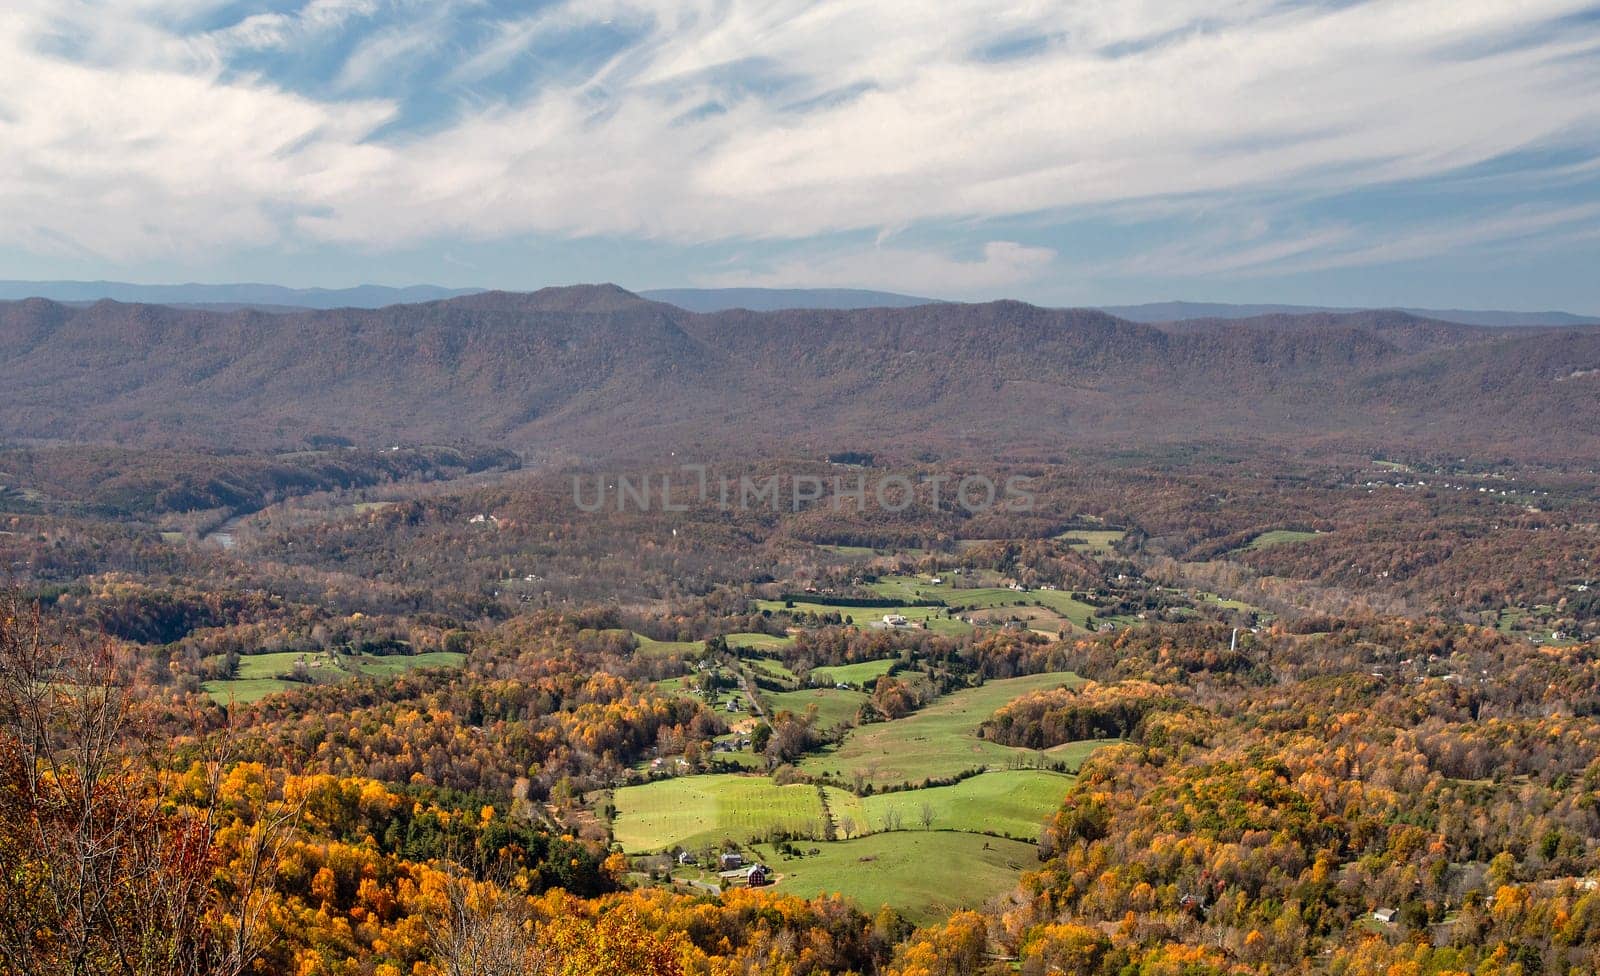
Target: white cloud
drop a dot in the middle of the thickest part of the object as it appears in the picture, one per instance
(141, 141)
(279, 31)
(164, 159)
(1255, 248)
(1002, 264)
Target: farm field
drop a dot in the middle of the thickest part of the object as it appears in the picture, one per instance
(923, 874)
(854, 552)
(937, 617)
(771, 668)
(938, 741)
(1013, 802)
(650, 647)
(763, 642)
(1063, 603)
(694, 811)
(655, 648)
(834, 706)
(674, 686)
(388, 664)
(1039, 619)
(257, 675)
(1227, 603)
(1094, 543)
(910, 588)
(983, 597)
(1278, 537)
(853, 674)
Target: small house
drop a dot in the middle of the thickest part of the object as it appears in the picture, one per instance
(1385, 915)
(894, 620)
(730, 861)
(685, 859)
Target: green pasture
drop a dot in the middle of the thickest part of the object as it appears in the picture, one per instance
(763, 642)
(1278, 537)
(1094, 543)
(853, 674)
(923, 874)
(835, 706)
(696, 811)
(1013, 802)
(938, 741)
(257, 674)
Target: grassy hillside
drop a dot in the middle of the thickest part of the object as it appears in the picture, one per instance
(694, 811)
(938, 741)
(922, 874)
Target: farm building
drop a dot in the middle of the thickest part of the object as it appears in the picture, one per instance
(755, 876)
(1385, 915)
(730, 860)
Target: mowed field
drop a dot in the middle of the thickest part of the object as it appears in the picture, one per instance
(1278, 537)
(769, 667)
(257, 672)
(940, 740)
(938, 619)
(923, 874)
(835, 706)
(853, 674)
(1014, 802)
(763, 642)
(982, 597)
(1094, 543)
(655, 648)
(695, 811)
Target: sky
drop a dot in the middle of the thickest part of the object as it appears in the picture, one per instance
(1440, 153)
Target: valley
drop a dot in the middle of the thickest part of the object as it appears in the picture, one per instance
(1192, 684)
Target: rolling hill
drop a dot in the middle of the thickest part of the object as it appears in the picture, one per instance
(596, 371)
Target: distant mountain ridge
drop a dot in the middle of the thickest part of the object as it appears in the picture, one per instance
(780, 299)
(270, 297)
(596, 371)
(276, 298)
(1182, 311)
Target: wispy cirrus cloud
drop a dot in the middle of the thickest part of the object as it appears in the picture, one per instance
(128, 128)
(1257, 247)
(998, 264)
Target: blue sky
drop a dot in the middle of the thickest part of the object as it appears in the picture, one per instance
(1415, 152)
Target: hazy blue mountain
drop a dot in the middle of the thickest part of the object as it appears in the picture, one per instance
(594, 372)
(1180, 311)
(779, 299)
(272, 297)
(276, 298)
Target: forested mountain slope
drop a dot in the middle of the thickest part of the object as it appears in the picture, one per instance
(596, 371)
